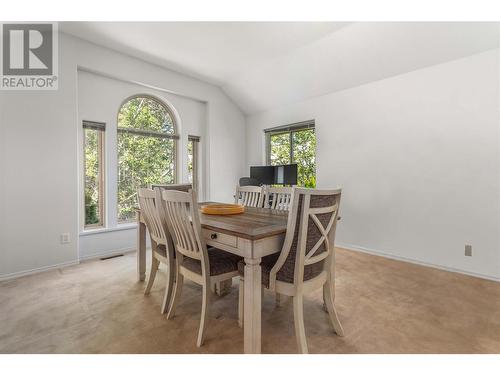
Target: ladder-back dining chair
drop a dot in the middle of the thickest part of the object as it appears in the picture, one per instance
(278, 198)
(162, 249)
(307, 259)
(179, 187)
(193, 259)
(250, 196)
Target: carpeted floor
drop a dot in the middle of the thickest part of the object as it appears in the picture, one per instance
(385, 306)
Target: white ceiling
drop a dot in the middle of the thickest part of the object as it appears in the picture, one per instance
(213, 51)
(261, 65)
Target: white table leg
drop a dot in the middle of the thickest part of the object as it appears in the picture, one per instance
(252, 306)
(141, 249)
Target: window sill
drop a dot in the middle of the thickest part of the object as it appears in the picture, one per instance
(119, 227)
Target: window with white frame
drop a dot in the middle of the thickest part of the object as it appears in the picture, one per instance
(93, 161)
(292, 144)
(146, 146)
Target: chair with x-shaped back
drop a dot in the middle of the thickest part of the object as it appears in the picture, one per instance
(307, 259)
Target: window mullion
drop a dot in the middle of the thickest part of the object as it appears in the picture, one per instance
(148, 133)
(268, 148)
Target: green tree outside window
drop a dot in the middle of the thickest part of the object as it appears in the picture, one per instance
(146, 153)
(92, 178)
(296, 147)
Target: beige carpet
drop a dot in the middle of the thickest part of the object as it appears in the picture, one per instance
(385, 306)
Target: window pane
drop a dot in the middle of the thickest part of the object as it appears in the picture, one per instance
(304, 154)
(145, 114)
(193, 162)
(190, 161)
(142, 161)
(93, 198)
(279, 149)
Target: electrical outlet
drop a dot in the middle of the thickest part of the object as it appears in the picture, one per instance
(65, 238)
(468, 250)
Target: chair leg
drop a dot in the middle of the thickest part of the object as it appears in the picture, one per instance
(298, 320)
(241, 298)
(177, 293)
(334, 318)
(325, 307)
(168, 287)
(204, 314)
(155, 263)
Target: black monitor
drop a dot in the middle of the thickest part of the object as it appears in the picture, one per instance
(290, 174)
(275, 175)
(264, 174)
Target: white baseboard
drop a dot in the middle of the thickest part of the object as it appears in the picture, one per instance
(108, 253)
(414, 261)
(15, 275)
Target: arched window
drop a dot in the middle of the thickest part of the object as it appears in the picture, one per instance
(147, 137)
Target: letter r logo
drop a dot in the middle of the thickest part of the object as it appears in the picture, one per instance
(27, 49)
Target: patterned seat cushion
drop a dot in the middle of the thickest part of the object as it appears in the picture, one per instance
(220, 262)
(266, 264)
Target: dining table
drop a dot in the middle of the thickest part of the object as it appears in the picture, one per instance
(253, 234)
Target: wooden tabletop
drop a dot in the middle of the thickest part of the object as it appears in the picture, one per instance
(253, 224)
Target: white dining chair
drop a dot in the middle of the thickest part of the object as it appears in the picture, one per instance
(162, 249)
(307, 259)
(278, 198)
(179, 187)
(250, 196)
(193, 259)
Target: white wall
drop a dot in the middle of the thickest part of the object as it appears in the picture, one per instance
(39, 174)
(39, 150)
(417, 157)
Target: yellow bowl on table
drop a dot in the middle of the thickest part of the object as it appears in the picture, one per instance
(222, 209)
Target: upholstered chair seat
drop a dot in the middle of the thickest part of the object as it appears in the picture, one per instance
(266, 264)
(219, 261)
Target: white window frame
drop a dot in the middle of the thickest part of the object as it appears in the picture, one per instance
(100, 127)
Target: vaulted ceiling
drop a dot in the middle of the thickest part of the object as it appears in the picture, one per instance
(261, 65)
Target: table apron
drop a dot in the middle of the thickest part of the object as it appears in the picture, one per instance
(247, 248)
